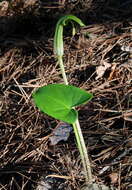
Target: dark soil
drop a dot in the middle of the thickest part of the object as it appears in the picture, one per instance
(27, 62)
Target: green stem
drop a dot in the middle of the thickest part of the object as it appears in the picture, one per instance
(60, 61)
(78, 134)
(83, 151)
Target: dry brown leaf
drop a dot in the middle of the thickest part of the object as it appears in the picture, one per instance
(128, 116)
(3, 8)
(28, 3)
(61, 132)
(100, 70)
(113, 177)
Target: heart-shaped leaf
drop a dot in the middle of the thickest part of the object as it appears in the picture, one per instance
(59, 100)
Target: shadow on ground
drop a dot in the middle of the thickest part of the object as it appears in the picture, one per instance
(21, 29)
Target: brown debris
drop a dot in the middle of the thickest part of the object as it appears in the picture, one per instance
(27, 62)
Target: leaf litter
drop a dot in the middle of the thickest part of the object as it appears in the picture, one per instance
(26, 154)
(61, 132)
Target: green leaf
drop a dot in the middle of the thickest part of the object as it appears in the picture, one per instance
(59, 100)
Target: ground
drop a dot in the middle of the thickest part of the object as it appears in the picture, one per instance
(99, 60)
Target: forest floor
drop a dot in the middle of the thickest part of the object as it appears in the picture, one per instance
(100, 62)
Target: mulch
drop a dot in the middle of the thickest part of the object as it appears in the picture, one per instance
(98, 59)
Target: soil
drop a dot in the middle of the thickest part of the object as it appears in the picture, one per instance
(98, 59)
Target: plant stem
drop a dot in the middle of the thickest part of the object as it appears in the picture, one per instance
(78, 134)
(83, 151)
(60, 61)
